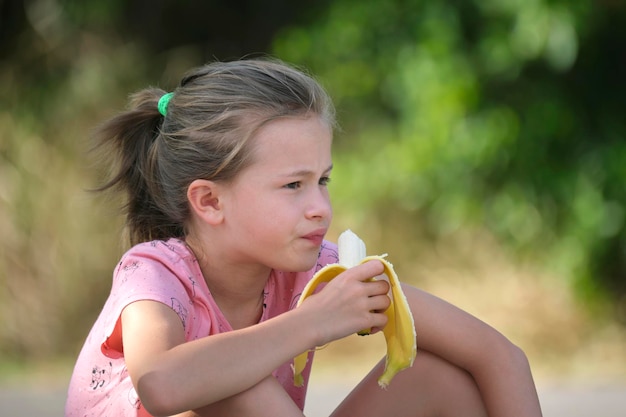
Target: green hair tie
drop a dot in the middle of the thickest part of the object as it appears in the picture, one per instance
(164, 101)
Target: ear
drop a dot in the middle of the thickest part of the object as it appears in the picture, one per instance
(203, 197)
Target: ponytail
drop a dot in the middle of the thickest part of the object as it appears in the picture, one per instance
(129, 141)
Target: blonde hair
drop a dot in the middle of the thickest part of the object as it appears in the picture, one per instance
(205, 134)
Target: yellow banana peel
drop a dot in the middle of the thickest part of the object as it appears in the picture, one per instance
(399, 331)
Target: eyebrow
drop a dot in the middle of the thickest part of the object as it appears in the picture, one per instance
(306, 172)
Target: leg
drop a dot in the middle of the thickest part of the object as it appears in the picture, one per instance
(432, 387)
(266, 399)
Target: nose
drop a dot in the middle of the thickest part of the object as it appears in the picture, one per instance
(319, 205)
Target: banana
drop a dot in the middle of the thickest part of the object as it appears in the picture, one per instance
(399, 332)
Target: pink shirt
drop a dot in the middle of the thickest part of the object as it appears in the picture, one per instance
(168, 272)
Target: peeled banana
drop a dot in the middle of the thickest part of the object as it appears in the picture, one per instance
(400, 329)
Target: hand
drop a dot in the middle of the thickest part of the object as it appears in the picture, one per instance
(350, 303)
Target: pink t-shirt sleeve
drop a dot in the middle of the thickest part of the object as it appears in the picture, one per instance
(137, 278)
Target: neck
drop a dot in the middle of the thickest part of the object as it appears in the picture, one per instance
(242, 305)
(237, 289)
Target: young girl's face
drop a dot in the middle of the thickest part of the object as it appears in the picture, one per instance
(278, 210)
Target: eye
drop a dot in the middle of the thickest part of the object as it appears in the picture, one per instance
(293, 185)
(324, 180)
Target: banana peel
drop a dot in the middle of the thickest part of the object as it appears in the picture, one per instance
(399, 332)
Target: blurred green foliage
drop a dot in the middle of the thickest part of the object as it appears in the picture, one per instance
(502, 115)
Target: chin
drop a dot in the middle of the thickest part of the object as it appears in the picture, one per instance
(305, 263)
(312, 263)
(299, 260)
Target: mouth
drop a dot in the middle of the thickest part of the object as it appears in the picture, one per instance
(316, 237)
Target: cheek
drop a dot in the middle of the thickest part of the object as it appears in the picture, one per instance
(260, 212)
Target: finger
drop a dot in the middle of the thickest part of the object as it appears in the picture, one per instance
(377, 287)
(379, 321)
(379, 303)
(375, 267)
(368, 270)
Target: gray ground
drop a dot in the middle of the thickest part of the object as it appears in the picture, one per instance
(597, 400)
(557, 401)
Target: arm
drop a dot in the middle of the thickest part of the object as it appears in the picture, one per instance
(172, 376)
(500, 369)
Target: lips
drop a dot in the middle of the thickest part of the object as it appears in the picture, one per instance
(316, 237)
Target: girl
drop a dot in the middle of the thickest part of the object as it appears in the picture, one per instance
(227, 207)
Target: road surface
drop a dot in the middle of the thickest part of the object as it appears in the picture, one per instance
(562, 400)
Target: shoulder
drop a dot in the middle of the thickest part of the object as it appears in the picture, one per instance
(170, 253)
(171, 250)
(153, 262)
(163, 271)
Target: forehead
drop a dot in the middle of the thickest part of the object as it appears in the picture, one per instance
(290, 141)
